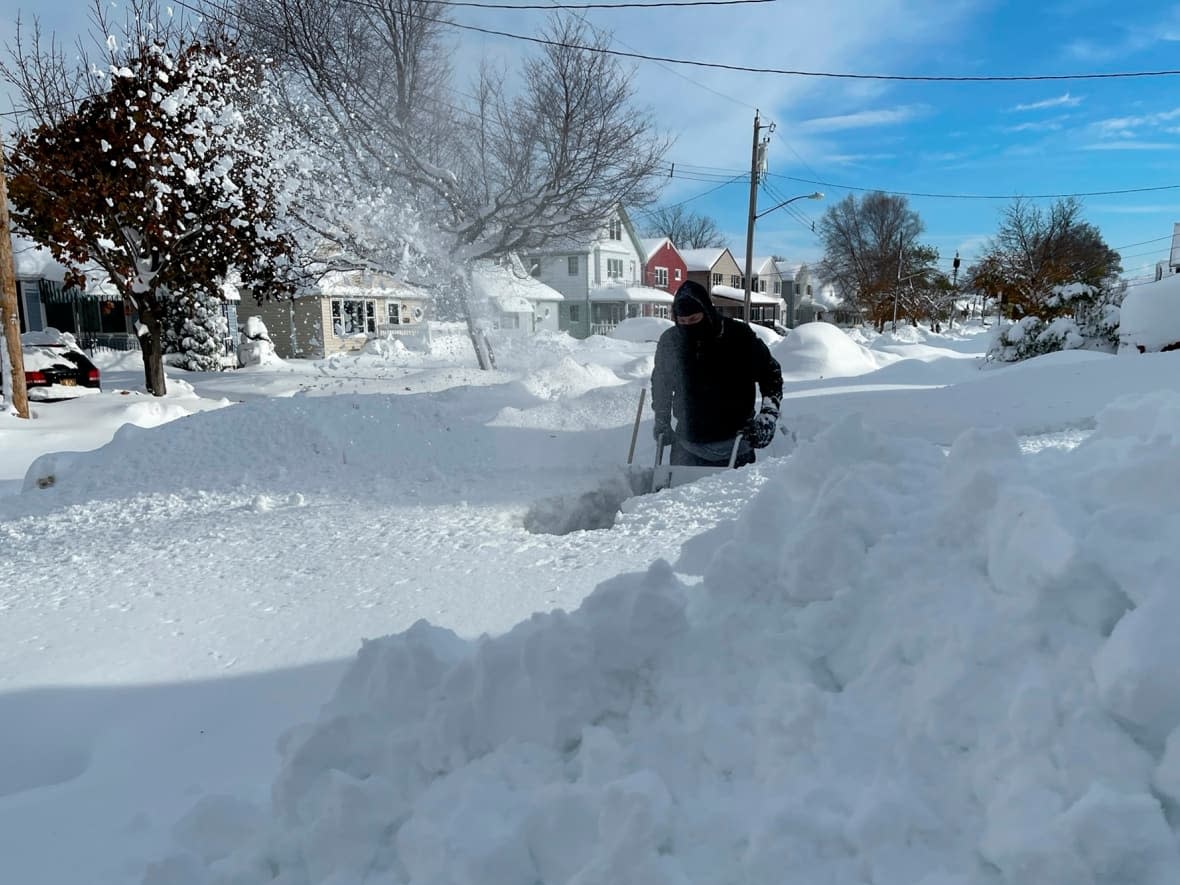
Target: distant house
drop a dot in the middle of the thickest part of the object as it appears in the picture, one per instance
(519, 303)
(612, 256)
(764, 274)
(731, 302)
(663, 265)
(712, 267)
(1172, 265)
(342, 312)
(97, 315)
(613, 304)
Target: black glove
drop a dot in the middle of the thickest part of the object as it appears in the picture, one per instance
(663, 428)
(760, 429)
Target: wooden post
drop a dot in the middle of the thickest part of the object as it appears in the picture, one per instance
(14, 376)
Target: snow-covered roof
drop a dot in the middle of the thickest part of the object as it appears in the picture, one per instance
(788, 270)
(509, 287)
(730, 293)
(32, 260)
(760, 264)
(652, 245)
(1175, 259)
(701, 259)
(631, 294)
(363, 284)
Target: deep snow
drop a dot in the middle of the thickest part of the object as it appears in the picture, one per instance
(929, 644)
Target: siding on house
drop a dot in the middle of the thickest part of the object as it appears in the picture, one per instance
(662, 254)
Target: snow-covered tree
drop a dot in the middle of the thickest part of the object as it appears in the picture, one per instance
(195, 331)
(420, 179)
(158, 166)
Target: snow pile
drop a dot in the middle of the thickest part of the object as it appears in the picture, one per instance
(569, 378)
(821, 350)
(1149, 318)
(913, 668)
(641, 329)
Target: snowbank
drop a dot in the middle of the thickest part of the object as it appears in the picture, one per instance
(1149, 318)
(913, 667)
(821, 350)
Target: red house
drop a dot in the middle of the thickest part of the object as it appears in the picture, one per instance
(663, 268)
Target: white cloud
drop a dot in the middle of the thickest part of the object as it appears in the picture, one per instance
(1127, 127)
(1061, 101)
(1130, 144)
(1052, 125)
(865, 119)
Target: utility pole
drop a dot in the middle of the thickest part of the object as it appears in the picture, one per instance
(15, 392)
(756, 154)
(897, 288)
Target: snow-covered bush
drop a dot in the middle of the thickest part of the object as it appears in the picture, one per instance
(195, 331)
(1092, 322)
(256, 348)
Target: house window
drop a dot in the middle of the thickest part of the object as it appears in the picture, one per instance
(762, 285)
(616, 229)
(716, 279)
(661, 276)
(809, 291)
(575, 313)
(778, 287)
(353, 317)
(798, 288)
(678, 275)
(614, 268)
(572, 265)
(394, 310)
(735, 280)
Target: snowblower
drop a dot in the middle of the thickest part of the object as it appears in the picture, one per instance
(645, 480)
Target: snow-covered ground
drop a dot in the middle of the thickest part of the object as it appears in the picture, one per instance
(929, 640)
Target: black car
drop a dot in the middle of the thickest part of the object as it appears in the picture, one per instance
(58, 371)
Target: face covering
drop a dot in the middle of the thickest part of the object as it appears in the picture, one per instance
(696, 331)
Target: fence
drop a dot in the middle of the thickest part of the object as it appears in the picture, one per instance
(118, 341)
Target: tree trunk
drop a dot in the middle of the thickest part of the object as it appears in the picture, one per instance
(479, 340)
(151, 342)
(13, 362)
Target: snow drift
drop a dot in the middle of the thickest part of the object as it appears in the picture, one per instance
(821, 350)
(902, 667)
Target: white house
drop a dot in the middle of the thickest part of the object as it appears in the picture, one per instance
(612, 256)
(518, 302)
(613, 304)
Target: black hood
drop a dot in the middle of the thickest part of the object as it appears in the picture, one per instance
(694, 295)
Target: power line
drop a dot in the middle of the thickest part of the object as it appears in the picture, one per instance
(1106, 193)
(909, 78)
(650, 212)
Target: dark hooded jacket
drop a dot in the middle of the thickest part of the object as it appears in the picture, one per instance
(705, 376)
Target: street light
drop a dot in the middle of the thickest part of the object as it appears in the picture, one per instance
(816, 196)
(754, 216)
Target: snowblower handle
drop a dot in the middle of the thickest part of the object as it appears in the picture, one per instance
(635, 429)
(737, 444)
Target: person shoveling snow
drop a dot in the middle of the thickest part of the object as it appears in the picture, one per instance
(706, 369)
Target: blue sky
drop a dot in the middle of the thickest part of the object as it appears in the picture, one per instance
(960, 138)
